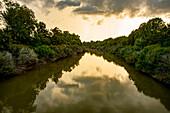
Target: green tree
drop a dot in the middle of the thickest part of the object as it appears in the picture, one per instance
(57, 36)
(19, 21)
(42, 34)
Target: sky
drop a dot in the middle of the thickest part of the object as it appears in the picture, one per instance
(98, 19)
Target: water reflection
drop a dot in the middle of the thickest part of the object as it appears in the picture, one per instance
(86, 90)
(100, 95)
(19, 93)
(90, 85)
(143, 82)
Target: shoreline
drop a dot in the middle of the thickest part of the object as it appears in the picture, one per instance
(24, 68)
(147, 74)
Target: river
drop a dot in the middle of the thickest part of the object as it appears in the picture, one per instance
(86, 83)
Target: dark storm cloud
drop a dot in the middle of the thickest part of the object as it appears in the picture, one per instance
(119, 8)
(109, 7)
(123, 8)
(87, 10)
(46, 3)
(64, 4)
(156, 7)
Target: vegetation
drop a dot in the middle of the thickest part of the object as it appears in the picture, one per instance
(147, 48)
(24, 41)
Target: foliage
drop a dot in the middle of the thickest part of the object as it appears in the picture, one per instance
(27, 41)
(21, 27)
(155, 60)
(148, 48)
(22, 55)
(6, 64)
(26, 56)
(44, 51)
(56, 51)
(20, 22)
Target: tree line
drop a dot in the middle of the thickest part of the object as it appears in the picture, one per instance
(147, 48)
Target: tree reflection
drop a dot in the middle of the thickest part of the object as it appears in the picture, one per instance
(19, 93)
(143, 82)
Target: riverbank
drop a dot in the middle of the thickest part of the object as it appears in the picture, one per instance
(22, 58)
(161, 77)
(131, 69)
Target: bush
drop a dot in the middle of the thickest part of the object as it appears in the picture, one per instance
(23, 55)
(155, 60)
(45, 51)
(76, 48)
(68, 51)
(6, 63)
(131, 54)
(15, 49)
(26, 56)
(63, 51)
(56, 49)
(140, 42)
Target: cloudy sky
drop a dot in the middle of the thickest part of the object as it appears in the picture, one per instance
(98, 19)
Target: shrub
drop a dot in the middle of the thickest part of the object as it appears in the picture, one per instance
(23, 55)
(59, 50)
(76, 48)
(15, 48)
(56, 49)
(68, 51)
(140, 42)
(155, 60)
(6, 63)
(44, 51)
(26, 56)
(62, 52)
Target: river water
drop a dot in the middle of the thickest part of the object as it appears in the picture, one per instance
(87, 83)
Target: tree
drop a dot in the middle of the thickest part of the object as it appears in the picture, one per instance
(20, 22)
(43, 34)
(57, 36)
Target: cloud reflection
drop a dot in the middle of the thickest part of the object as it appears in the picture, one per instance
(95, 94)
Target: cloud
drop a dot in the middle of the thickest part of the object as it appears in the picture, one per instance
(87, 10)
(119, 8)
(157, 7)
(100, 22)
(49, 3)
(63, 4)
(123, 8)
(109, 7)
(167, 16)
(85, 18)
(45, 3)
